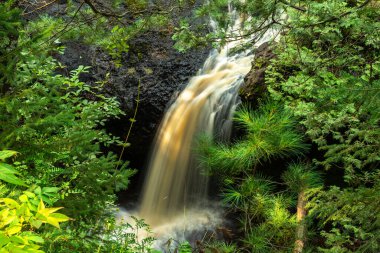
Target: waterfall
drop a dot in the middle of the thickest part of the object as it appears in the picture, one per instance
(175, 182)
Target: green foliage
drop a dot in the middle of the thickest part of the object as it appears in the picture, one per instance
(112, 25)
(270, 134)
(300, 177)
(328, 74)
(116, 42)
(352, 213)
(332, 83)
(186, 38)
(255, 15)
(268, 224)
(266, 218)
(133, 236)
(9, 25)
(55, 123)
(275, 233)
(223, 247)
(185, 247)
(21, 214)
(19, 218)
(7, 172)
(57, 137)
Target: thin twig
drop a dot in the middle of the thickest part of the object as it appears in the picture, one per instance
(133, 120)
(66, 26)
(39, 8)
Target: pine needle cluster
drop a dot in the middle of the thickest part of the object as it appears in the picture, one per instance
(270, 133)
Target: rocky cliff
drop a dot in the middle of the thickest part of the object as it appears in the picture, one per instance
(254, 87)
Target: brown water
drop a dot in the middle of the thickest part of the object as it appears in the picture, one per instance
(175, 183)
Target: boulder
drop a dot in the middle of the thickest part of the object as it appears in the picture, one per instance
(254, 87)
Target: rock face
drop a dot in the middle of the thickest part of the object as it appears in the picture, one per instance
(254, 86)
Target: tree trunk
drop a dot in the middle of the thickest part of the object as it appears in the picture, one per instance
(301, 228)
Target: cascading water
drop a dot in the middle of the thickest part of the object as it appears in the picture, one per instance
(205, 106)
(174, 183)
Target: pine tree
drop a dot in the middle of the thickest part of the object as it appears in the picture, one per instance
(300, 178)
(270, 133)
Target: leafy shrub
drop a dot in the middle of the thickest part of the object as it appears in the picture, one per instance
(55, 123)
(23, 213)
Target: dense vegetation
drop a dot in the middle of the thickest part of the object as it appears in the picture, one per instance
(327, 76)
(303, 177)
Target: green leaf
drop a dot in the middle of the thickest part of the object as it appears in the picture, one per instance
(6, 168)
(52, 221)
(36, 223)
(29, 194)
(4, 154)
(17, 239)
(3, 240)
(48, 211)
(50, 189)
(7, 174)
(35, 238)
(8, 219)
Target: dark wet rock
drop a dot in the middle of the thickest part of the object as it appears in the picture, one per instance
(254, 86)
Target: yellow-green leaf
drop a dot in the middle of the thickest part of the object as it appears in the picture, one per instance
(7, 174)
(48, 211)
(13, 230)
(41, 206)
(59, 217)
(17, 239)
(8, 169)
(29, 194)
(23, 198)
(10, 202)
(9, 219)
(52, 221)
